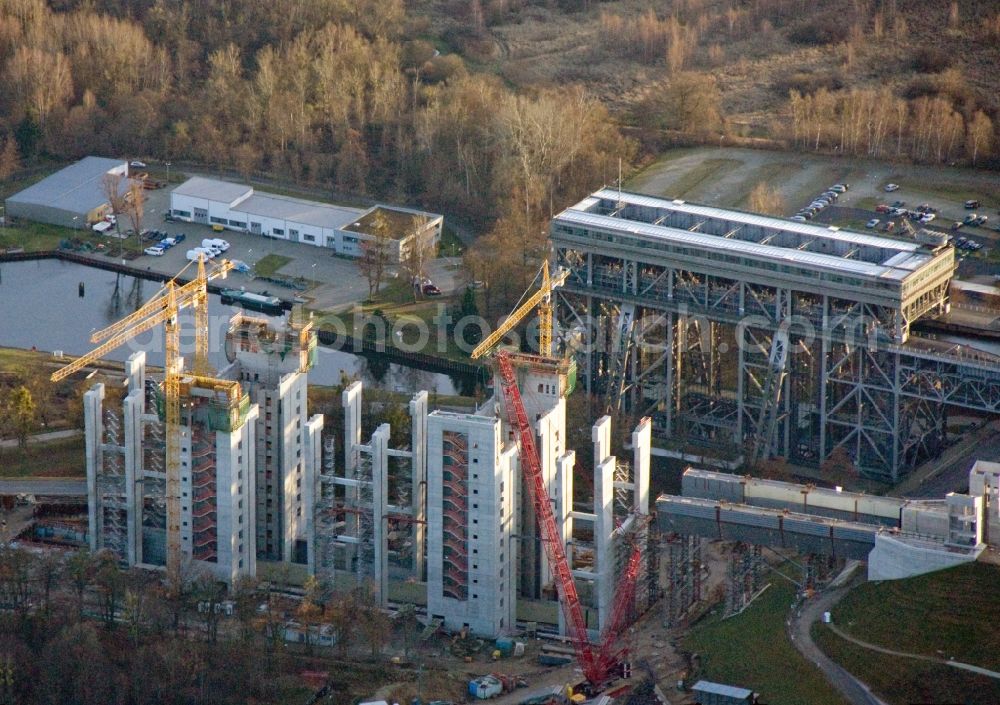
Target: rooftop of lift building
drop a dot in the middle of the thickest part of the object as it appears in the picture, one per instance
(758, 237)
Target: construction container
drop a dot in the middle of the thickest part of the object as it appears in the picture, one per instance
(505, 646)
(485, 687)
(554, 659)
(708, 693)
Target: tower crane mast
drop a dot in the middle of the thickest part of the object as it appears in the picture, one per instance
(543, 300)
(164, 310)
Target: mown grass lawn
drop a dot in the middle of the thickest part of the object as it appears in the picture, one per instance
(947, 613)
(902, 681)
(63, 458)
(268, 265)
(752, 650)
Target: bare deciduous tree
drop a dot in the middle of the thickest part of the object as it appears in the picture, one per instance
(979, 138)
(135, 207)
(375, 254)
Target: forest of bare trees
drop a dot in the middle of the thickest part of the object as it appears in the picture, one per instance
(356, 96)
(876, 123)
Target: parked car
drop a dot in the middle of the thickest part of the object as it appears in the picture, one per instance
(957, 225)
(154, 251)
(832, 195)
(927, 217)
(872, 223)
(167, 242)
(882, 208)
(137, 164)
(889, 188)
(890, 226)
(216, 244)
(807, 215)
(431, 290)
(970, 219)
(981, 220)
(839, 188)
(798, 218)
(972, 203)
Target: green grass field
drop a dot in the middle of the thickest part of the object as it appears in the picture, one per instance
(268, 265)
(938, 614)
(64, 458)
(752, 650)
(901, 681)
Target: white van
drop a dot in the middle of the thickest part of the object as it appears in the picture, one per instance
(197, 252)
(102, 226)
(215, 244)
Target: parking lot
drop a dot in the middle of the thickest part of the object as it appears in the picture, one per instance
(335, 283)
(726, 177)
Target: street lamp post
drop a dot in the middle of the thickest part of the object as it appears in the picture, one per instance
(167, 164)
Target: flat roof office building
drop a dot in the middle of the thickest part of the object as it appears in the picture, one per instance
(340, 228)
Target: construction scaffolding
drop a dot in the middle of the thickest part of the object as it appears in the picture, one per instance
(326, 518)
(744, 577)
(111, 487)
(683, 566)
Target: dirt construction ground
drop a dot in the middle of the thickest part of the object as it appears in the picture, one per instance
(726, 176)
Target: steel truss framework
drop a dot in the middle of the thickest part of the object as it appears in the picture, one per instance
(701, 352)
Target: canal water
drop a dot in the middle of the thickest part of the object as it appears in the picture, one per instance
(41, 307)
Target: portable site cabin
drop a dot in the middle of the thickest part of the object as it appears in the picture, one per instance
(708, 693)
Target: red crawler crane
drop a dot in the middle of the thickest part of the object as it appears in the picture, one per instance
(597, 664)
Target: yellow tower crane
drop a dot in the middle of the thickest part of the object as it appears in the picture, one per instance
(543, 300)
(164, 310)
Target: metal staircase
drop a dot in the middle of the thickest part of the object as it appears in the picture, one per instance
(618, 356)
(770, 402)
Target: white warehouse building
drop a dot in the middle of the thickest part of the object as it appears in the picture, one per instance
(342, 229)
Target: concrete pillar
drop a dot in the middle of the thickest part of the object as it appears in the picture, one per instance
(641, 443)
(351, 401)
(380, 489)
(135, 376)
(604, 524)
(600, 434)
(418, 470)
(563, 509)
(312, 452)
(93, 422)
(132, 432)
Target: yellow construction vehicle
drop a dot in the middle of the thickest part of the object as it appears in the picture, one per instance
(543, 300)
(164, 310)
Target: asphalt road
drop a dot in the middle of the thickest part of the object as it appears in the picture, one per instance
(59, 487)
(799, 627)
(950, 472)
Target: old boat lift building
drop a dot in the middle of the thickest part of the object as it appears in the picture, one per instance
(753, 332)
